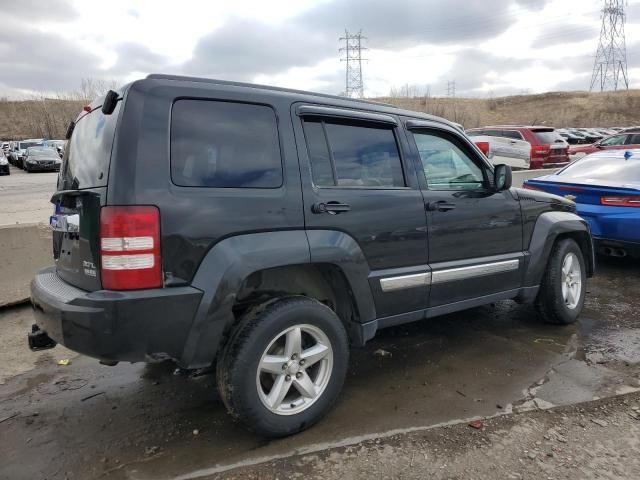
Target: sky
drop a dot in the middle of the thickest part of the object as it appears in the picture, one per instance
(488, 47)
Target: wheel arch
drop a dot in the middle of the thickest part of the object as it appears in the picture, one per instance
(243, 270)
(549, 229)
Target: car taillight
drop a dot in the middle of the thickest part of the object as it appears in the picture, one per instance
(130, 248)
(484, 147)
(526, 186)
(540, 151)
(633, 201)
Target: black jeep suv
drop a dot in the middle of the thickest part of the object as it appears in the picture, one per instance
(266, 230)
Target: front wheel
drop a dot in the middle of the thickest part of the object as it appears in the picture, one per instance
(563, 288)
(284, 366)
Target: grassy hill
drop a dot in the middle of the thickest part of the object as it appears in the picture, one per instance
(557, 109)
(50, 117)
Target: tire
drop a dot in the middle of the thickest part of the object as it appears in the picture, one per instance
(264, 333)
(556, 301)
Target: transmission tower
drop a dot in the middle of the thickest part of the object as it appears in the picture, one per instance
(353, 56)
(610, 67)
(451, 89)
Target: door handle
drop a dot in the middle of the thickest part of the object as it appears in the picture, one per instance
(332, 208)
(440, 206)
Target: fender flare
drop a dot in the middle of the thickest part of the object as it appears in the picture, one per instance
(226, 266)
(548, 227)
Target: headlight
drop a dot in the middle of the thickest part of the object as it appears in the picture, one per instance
(3, 161)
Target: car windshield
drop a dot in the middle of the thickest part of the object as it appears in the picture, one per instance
(596, 169)
(25, 145)
(547, 136)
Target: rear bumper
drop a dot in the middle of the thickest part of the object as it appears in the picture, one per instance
(116, 326)
(617, 248)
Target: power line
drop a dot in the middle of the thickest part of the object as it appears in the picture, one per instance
(354, 85)
(610, 66)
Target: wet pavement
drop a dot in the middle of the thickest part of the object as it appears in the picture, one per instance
(139, 421)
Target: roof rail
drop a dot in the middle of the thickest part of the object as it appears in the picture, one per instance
(213, 81)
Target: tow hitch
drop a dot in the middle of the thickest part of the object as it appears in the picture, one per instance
(39, 340)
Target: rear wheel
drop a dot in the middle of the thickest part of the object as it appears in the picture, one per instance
(563, 287)
(284, 367)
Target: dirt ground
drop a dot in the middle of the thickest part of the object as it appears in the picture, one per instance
(401, 415)
(596, 440)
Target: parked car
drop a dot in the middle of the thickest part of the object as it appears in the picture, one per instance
(20, 149)
(4, 147)
(619, 141)
(41, 159)
(589, 137)
(4, 164)
(265, 230)
(548, 148)
(508, 151)
(606, 188)
(571, 138)
(58, 145)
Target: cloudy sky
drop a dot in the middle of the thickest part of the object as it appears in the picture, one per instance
(489, 47)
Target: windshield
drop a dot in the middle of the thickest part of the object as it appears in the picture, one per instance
(548, 136)
(25, 145)
(603, 170)
(88, 152)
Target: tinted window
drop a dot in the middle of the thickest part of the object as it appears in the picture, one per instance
(362, 155)
(446, 166)
(88, 153)
(493, 133)
(615, 140)
(597, 169)
(548, 137)
(634, 140)
(224, 144)
(512, 134)
(476, 133)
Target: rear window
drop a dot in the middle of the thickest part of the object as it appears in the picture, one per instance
(225, 145)
(548, 136)
(88, 153)
(597, 169)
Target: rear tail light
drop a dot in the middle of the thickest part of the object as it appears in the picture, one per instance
(633, 201)
(526, 186)
(130, 248)
(484, 147)
(540, 151)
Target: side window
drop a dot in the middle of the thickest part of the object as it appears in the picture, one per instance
(475, 133)
(512, 134)
(225, 145)
(634, 140)
(353, 155)
(447, 166)
(615, 140)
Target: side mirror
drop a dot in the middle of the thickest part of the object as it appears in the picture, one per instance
(502, 177)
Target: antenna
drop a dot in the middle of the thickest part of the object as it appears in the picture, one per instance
(610, 66)
(354, 86)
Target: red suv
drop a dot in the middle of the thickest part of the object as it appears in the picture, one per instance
(548, 148)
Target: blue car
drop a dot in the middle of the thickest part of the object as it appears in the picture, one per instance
(606, 189)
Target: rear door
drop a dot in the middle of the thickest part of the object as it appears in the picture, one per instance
(356, 180)
(82, 190)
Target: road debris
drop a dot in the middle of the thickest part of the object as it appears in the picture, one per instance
(477, 424)
(91, 396)
(64, 362)
(9, 417)
(602, 423)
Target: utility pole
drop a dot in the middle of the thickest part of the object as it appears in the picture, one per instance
(610, 66)
(353, 56)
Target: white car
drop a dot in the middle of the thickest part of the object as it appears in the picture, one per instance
(512, 152)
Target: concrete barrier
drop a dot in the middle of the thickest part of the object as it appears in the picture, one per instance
(24, 249)
(519, 176)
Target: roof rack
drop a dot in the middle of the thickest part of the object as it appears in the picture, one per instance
(213, 81)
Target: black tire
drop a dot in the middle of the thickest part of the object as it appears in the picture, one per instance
(237, 366)
(550, 301)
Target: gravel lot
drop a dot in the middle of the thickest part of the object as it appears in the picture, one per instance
(25, 196)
